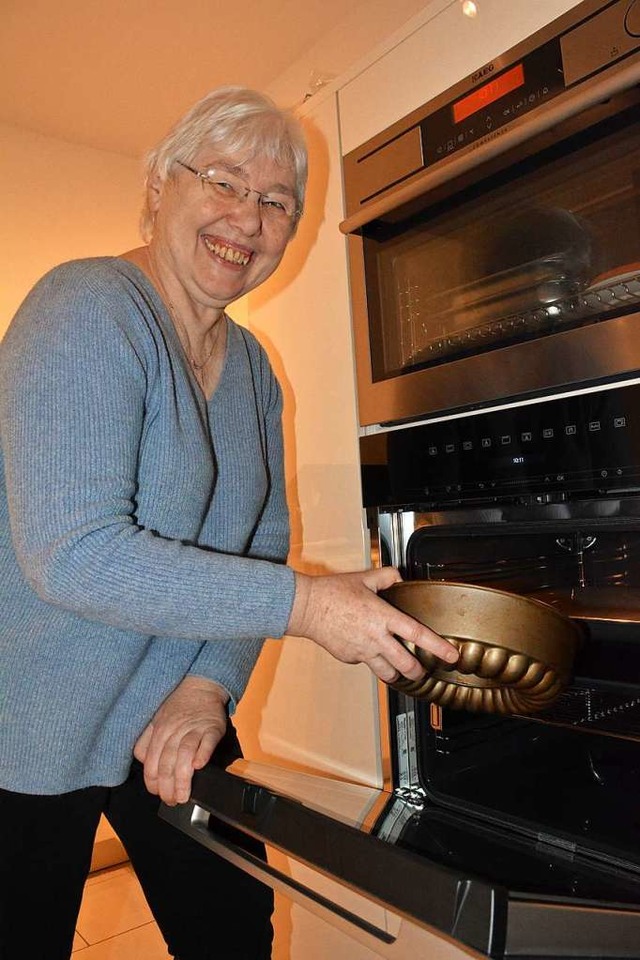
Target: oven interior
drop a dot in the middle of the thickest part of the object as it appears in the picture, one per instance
(571, 772)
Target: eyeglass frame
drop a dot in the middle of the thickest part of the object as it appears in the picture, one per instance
(204, 177)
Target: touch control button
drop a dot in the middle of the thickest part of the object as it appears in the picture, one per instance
(632, 19)
(600, 40)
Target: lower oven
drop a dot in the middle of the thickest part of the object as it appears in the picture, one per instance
(498, 836)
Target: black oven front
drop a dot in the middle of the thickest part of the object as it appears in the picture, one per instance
(542, 500)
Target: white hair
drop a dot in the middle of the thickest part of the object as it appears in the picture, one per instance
(238, 122)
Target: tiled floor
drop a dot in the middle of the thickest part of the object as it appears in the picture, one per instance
(115, 922)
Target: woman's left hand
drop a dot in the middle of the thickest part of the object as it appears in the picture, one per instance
(182, 737)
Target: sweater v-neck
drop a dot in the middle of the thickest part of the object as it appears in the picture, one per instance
(164, 316)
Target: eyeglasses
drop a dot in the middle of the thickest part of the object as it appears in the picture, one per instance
(277, 208)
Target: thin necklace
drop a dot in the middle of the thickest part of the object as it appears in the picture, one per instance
(183, 336)
(198, 366)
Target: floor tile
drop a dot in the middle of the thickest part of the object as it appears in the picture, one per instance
(143, 943)
(112, 903)
(78, 943)
(107, 848)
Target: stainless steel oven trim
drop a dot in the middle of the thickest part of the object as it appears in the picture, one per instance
(392, 527)
(551, 366)
(493, 407)
(558, 934)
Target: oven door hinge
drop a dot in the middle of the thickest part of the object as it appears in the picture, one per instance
(407, 748)
(414, 796)
(404, 807)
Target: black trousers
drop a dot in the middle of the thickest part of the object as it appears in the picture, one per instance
(205, 907)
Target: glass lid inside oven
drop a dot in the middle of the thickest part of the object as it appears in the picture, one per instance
(555, 246)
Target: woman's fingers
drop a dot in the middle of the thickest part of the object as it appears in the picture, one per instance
(182, 737)
(379, 578)
(417, 633)
(343, 614)
(176, 768)
(383, 669)
(142, 743)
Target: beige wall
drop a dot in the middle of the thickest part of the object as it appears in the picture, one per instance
(364, 27)
(62, 200)
(296, 707)
(59, 201)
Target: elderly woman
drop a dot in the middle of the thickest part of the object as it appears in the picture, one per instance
(144, 534)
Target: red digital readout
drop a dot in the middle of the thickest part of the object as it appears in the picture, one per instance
(489, 93)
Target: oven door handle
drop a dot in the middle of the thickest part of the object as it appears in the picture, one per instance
(195, 822)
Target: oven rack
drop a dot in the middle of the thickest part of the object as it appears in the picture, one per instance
(597, 299)
(598, 711)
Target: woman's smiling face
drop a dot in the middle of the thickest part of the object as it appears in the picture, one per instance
(219, 248)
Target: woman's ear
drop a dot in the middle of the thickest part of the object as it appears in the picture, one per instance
(155, 187)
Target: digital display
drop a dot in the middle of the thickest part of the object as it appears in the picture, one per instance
(489, 93)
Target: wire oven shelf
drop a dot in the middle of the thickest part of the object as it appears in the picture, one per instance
(598, 299)
(597, 711)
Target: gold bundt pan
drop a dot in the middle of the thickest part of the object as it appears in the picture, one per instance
(516, 653)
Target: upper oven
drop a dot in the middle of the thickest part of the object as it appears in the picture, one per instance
(495, 232)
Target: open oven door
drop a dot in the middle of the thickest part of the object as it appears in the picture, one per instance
(398, 869)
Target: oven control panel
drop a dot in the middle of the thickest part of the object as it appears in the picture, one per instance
(498, 97)
(578, 444)
(503, 97)
(490, 100)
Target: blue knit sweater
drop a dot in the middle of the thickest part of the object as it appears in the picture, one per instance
(143, 530)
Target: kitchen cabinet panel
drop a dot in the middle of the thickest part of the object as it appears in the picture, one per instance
(300, 700)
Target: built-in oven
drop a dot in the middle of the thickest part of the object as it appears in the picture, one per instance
(495, 232)
(541, 500)
(495, 267)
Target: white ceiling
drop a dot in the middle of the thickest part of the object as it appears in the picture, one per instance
(115, 74)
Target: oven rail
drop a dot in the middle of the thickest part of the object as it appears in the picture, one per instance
(591, 305)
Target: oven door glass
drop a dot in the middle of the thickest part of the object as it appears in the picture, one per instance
(550, 245)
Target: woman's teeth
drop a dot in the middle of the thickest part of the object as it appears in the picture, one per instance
(227, 253)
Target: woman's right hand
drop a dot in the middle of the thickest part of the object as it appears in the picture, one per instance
(343, 614)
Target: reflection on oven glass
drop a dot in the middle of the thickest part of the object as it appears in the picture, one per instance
(556, 248)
